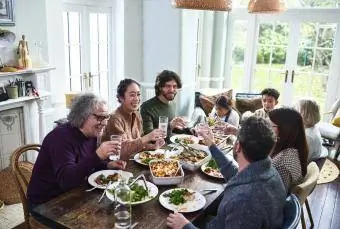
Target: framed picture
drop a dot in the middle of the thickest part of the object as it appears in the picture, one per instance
(7, 12)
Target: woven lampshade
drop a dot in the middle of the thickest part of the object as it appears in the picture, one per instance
(218, 5)
(266, 6)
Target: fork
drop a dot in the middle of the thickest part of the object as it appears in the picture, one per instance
(134, 225)
(90, 189)
(107, 186)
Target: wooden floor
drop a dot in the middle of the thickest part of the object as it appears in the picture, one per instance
(325, 205)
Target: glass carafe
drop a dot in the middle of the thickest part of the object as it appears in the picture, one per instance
(122, 211)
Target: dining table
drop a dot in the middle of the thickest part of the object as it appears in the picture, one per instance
(79, 208)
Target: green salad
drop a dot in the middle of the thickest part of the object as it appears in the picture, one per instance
(138, 193)
(179, 196)
(212, 164)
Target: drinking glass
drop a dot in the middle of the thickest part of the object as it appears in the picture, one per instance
(186, 121)
(202, 127)
(163, 125)
(116, 139)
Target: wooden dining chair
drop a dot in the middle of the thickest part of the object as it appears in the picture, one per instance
(304, 189)
(22, 171)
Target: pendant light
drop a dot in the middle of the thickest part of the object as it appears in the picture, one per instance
(266, 6)
(218, 5)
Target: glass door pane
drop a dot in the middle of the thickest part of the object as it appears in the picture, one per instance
(72, 41)
(99, 46)
(239, 40)
(270, 64)
(314, 57)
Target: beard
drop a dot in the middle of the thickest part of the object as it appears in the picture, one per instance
(169, 96)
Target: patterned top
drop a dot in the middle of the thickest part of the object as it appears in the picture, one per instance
(288, 165)
(261, 113)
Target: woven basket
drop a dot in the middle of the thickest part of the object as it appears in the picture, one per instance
(266, 6)
(219, 5)
(8, 188)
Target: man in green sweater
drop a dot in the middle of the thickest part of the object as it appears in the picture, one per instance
(167, 83)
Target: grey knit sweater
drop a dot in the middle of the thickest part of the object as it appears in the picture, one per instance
(253, 198)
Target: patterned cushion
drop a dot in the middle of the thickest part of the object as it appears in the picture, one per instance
(252, 104)
(208, 102)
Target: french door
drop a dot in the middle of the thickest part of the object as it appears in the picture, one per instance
(87, 38)
(291, 52)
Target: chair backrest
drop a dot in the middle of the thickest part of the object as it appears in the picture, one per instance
(22, 171)
(292, 212)
(306, 188)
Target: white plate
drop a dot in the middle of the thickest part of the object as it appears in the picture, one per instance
(153, 192)
(216, 174)
(139, 161)
(190, 206)
(125, 175)
(182, 136)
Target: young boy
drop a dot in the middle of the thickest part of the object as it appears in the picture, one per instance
(269, 101)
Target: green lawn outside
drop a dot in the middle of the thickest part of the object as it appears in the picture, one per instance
(304, 85)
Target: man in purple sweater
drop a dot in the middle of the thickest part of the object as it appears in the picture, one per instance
(69, 153)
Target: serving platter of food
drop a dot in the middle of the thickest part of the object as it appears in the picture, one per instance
(193, 156)
(184, 139)
(182, 200)
(139, 194)
(100, 179)
(166, 172)
(145, 157)
(211, 169)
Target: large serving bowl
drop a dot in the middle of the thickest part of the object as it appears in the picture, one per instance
(166, 172)
(190, 161)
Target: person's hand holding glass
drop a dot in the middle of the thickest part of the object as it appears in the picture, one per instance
(179, 123)
(108, 148)
(117, 140)
(204, 132)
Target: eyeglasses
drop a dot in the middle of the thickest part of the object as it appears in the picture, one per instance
(101, 118)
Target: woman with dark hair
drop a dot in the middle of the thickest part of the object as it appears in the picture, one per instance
(127, 121)
(290, 152)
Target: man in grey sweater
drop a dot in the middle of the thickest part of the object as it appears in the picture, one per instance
(254, 196)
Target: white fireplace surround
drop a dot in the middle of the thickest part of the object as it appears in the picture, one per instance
(33, 110)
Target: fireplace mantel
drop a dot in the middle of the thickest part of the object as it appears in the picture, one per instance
(33, 107)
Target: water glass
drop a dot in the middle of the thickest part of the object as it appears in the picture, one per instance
(202, 127)
(118, 140)
(163, 125)
(186, 121)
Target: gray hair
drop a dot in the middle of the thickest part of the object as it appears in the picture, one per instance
(83, 105)
(309, 110)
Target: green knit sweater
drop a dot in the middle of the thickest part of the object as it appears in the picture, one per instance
(151, 110)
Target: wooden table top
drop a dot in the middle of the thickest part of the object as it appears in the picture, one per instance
(79, 209)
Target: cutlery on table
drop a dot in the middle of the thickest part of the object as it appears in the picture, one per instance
(107, 186)
(208, 191)
(91, 189)
(134, 225)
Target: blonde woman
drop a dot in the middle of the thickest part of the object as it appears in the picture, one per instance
(310, 113)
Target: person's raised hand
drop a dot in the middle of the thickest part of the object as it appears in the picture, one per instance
(108, 148)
